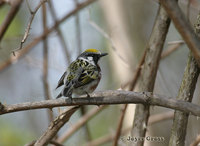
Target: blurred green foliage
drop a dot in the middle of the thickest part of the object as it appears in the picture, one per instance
(15, 27)
(13, 33)
(10, 135)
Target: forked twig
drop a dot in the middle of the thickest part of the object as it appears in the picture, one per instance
(27, 30)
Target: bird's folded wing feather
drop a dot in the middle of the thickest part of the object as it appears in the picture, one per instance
(89, 74)
(61, 81)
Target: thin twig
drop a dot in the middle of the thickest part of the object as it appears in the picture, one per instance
(175, 42)
(15, 5)
(106, 98)
(83, 120)
(171, 49)
(137, 73)
(35, 41)
(55, 126)
(119, 127)
(27, 30)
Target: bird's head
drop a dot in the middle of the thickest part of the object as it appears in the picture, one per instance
(92, 55)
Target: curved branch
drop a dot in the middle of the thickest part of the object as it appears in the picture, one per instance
(108, 97)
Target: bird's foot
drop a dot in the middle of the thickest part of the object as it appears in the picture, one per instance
(69, 100)
(88, 96)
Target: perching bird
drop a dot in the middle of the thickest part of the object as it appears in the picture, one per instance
(82, 75)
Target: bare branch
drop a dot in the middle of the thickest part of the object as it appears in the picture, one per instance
(55, 126)
(137, 73)
(184, 28)
(119, 127)
(186, 92)
(83, 120)
(171, 49)
(149, 71)
(9, 18)
(108, 97)
(33, 13)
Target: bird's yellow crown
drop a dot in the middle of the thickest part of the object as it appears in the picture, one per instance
(92, 50)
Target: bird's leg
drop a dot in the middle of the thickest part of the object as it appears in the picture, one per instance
(88, 96)
(68, 99)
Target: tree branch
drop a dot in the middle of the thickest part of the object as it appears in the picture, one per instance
(149, 71)
(186, 92)
(171, 49)
(108, 97)
(55, 126)
(33, 13)
(184, 28)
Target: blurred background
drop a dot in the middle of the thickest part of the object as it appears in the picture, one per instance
(120, 28)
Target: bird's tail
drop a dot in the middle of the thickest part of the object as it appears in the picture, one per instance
(59, 95)
(67, 92)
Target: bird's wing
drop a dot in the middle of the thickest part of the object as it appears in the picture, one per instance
(74, 72)
(79, 73)
(89, 74)
(61, 81)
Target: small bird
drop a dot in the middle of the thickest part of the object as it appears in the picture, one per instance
(82, 75)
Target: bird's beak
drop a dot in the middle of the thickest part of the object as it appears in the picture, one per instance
(103, 54)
